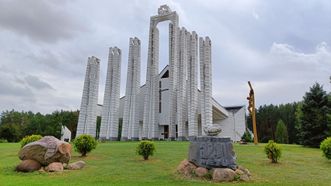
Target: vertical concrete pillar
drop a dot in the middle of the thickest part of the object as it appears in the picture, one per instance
(192, 89)
(154, 124)
(181, 92)
(88, 108)
(205, 82)
(110, 109)
(151, 94)
(173, 52)
(130, 120)
(208, 82)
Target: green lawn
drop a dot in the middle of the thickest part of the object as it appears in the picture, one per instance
(117, 164)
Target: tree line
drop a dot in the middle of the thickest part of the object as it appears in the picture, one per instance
(307, 122)
(15, 125)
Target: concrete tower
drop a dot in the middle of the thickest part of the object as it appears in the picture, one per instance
(130, 127)
(192, 86)
(110, 109)
(205, 82)
(88, 107)
(181, 91)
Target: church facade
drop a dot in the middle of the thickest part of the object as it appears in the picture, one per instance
(170, 105)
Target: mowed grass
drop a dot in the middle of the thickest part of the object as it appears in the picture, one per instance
(117, 164)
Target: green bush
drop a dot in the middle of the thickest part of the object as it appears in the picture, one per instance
(3, 141)
(247, 137)
(29, 139)
(84, 144)
(326, 147)
(273, 151)
(145, 149)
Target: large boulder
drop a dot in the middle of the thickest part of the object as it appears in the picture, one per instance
(186, 168)
(46, 150)
(223, 174)
(28, 166)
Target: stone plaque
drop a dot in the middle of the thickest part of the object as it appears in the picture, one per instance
(212, 152)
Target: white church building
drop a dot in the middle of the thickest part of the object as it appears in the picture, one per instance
(170, 105)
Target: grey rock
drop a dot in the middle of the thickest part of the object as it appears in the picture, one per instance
(76, 165)
(223, 174)
(54, 167)
(212, 152)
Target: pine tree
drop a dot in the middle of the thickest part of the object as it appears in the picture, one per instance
(281, 133)
(313, 122)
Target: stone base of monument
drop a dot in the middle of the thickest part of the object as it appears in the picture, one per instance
(212, 158)
(212, 152)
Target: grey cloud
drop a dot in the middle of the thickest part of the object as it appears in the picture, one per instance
(37, 83)
(13, 86)
(39, 20)
(9, 88)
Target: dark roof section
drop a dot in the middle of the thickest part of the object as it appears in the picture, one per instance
(165, 75)
(234, 108)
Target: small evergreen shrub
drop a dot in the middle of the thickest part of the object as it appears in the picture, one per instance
(145, 149)
(85, 144)
(247, 137)
(326, 147)
(29, 139)
(273, 151)
(281, 134)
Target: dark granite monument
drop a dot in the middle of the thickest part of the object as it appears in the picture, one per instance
(212, 152)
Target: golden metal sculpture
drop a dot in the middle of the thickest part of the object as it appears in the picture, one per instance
(251, 109)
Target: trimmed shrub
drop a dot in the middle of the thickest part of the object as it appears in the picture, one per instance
(85, 144)
(29, 139)
(326, 147)
(145, 149)
(247, 137)
(273, 151)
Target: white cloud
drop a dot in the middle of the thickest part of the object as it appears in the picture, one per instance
(287, 55)
(282, 75)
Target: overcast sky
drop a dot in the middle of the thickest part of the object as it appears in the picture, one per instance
(282, 46)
